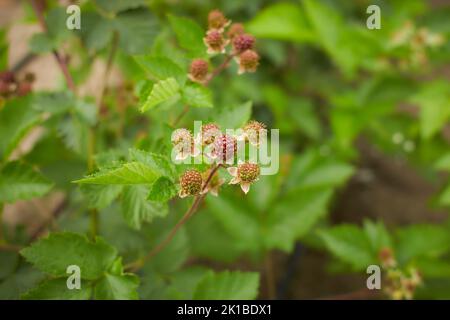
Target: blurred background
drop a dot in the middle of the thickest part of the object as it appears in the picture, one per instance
(364, 132)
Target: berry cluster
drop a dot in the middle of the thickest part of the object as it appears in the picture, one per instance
(416, 42)
(221, 33)
(10, 86)
(219, 148)
(398, 283)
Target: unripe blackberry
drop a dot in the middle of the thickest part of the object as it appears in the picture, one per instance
(243, 42)
(7, 76)
(216, 20)
(215, 42)
(225, 147)
(209, 133)
(248, 172)
(248, 61)
(24, 88)
(198, 70)
(191, 183)
(4, 87)
(386, 257)
(235, 30)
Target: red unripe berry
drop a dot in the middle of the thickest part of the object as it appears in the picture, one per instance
(243, 42)
(216, 20)
(191, 182)
(235, 29)
(225, 147)
(198, 70)
(248, 172)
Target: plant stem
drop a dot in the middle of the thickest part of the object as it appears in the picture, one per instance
(270, 280)
(219, 69)
(38, 9)
(10, 247)
(189, 213)
(2, 238)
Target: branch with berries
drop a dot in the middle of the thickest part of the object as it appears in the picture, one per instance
(230, 40)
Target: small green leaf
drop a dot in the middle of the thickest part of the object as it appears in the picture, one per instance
(162, 91)
(100, 196)
(41, 43)
(189, 35)
(228, 286)
(422, 241)
(126, 174)
(136, 209)
(350, 244)
(117, 287)
(281, 21)
(196, 95)
(443, 163)
(234, 117)
(161, 68)
(158, 162)
(137, 29)
(19, 181)
(162, 190)
(56, 289)
(56, 252)
(434, 102)
(17, 118)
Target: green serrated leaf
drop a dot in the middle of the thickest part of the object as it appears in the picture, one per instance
(228, 286)
(234, 117)
(162, 190)
(17, 117)
(56, 252)
(161, 68)
(196, 95)
(281, 21)
(56, 289)
(117, 287)
(189, 35)
(19, 181)
(136, 209)
(41, 43)
(422, 240)
(350, 244)
(137, 29)
(100, 196)
(293, 217)
(156, 161)
(126, 174)
(162, 91)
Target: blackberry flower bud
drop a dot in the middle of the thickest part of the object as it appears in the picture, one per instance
(243, 42)
(209, 133)
(253, 131)
(235, 30)
(248, 61)
(215, 42)
(217, 21)
(244, 174)
(386, 257)
(184, 144)
(198, 70)
(190, 183)
(224, 148)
